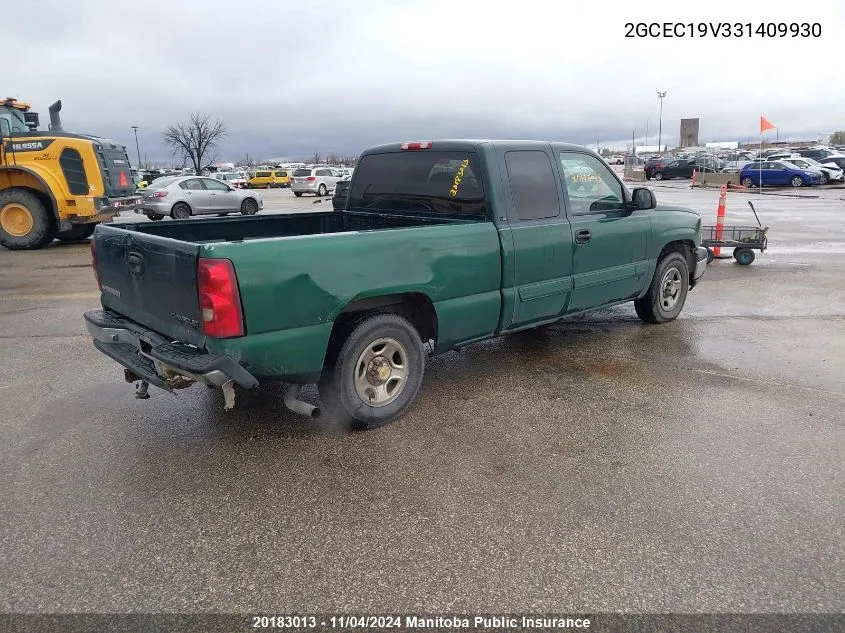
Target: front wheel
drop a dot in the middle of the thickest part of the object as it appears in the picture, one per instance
(658, 175)
(298, 194)
(155, 216)
(77, 233)
(376, 374)
(797, 181)
(747, 183)
(668, 290)
(24, 221)
(249, 207)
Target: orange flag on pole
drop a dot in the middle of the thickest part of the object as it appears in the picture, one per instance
(765, 124)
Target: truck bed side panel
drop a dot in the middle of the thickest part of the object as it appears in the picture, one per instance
(304, 282)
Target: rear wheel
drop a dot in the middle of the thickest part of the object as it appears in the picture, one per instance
(298, 194)
(180, 211)
(744, 256)
(668, 290)
(321, 190)
(747, 182)
(25, 222)
(78, 232)
(376, 374)
(658, 175)
(710, 255)
(155, 216)
(797, 181)
(249, 207)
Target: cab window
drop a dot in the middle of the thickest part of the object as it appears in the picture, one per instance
(590, 185)
(533, 187)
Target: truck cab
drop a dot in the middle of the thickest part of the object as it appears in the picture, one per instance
(56, 184)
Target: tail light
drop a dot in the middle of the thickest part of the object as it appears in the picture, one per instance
(311, 179)
(94, 265)
(219, 298)
(158, 194)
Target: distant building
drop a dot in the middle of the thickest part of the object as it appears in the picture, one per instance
(722, 145)
(689, 132)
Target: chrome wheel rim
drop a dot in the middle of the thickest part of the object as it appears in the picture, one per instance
(670, 289)
(381, 372)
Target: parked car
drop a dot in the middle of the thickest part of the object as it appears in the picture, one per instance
(268, 179)
(835, 159)
(656, 163)
(437, 248)
(830, 173)
(816, 153)
(317, 180)
(678, 168)
(777, 173)
(341, 190)
(615, 160)
(236, 179)
(180, 197)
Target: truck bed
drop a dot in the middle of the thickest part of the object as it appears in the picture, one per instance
(238, 229)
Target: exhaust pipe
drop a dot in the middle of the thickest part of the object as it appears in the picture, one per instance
(55, 119)
(298, 406)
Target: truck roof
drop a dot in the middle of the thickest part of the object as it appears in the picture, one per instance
(464, 144)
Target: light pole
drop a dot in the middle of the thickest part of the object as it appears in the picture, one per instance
(137, 147)
(660, 96)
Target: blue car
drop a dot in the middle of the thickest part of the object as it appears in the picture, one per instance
(776, 172)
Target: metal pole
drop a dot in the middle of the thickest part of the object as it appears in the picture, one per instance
(660, 96)
(137, 147)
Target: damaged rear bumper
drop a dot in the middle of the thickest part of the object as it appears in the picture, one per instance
(161, 362)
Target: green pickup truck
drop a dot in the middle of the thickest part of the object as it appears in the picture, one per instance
(440, 244)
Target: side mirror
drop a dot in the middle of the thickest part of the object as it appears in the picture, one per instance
(643, 199)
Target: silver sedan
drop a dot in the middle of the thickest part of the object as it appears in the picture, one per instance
(181, 197)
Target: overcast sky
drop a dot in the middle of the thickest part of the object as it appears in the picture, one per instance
(289, 78)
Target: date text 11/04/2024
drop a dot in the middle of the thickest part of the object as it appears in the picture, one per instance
(722, 29)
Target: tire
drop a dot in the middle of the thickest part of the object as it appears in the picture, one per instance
(298, 194)
(347, 400)
(656, 306)
(180, 211)
(825, 178)
(25, 223)
(658, 175)
(747, 183)
(710, 255)
(155, 216)
(797, 181)
(222, 215)
(249, 207)
(322, 191)
(77, 233)
(744, 256)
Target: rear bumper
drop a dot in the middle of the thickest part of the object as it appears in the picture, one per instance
(154, 358)
(700, 265)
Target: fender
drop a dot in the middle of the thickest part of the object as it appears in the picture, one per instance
(8, 171)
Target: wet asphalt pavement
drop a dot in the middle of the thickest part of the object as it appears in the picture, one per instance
(595, 465)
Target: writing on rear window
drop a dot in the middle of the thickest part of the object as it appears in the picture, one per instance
(458, 177)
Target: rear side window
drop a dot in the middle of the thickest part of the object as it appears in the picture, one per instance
(533, 186)
(420, 181)
(262, 174)
(74, 171)
(281, 174)
(302, 172)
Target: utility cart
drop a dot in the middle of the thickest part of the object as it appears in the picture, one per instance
(744, 240)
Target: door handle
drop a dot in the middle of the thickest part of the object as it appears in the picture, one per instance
(582, 236)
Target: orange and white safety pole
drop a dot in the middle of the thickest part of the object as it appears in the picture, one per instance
(720, 218)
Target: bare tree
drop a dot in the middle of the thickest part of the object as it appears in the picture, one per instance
(316, 159)
(195, 139)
